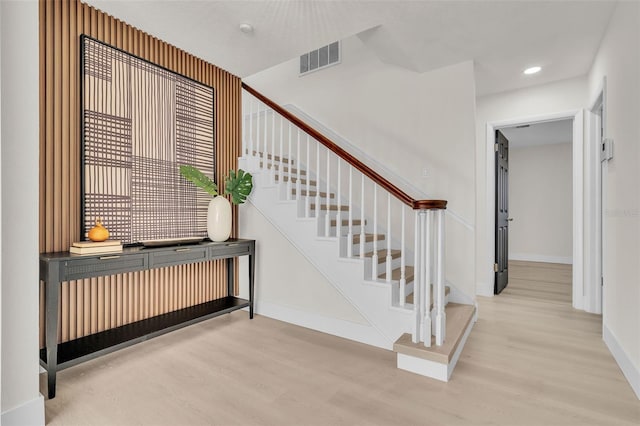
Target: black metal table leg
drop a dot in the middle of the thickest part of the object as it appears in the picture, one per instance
(252, 266)
(52, 287)
(230, 277)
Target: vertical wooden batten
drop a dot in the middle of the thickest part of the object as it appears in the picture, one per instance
(92, 305)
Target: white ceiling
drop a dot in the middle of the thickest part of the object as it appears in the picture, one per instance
(549, 133)
(502, 37)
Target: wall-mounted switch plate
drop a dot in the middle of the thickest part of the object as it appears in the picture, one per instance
(606, 149)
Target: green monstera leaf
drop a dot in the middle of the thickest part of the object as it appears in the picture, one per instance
(199, 179)
(239, 185)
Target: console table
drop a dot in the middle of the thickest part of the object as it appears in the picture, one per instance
(64, 266)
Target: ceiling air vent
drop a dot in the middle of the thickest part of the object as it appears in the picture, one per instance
(320, 58)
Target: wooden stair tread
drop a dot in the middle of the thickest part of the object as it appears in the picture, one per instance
(396, 274)
(458, 319)
(306, 193)
(285, 169)
(409, 298)
(295, 180)
(382, 255)
(367, 238)
(332, 207)
(271, 157)
(345, 222)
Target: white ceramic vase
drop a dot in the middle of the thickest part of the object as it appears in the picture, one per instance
(219, 219)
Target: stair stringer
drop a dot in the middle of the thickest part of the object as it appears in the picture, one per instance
(373, 300)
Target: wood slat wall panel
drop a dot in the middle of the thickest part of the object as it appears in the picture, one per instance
(92, 305)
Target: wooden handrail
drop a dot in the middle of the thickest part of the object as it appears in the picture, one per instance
(363, 168)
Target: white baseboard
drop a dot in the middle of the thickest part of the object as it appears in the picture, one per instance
(349, 330)
(630, 371)
(532, 257)
(31, 413)
(484, 289)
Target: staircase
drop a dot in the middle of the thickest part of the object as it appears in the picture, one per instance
(380, 248)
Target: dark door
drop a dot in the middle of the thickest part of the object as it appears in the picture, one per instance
(501, 266)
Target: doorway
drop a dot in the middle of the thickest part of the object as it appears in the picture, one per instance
(585, 147)
(533, 195)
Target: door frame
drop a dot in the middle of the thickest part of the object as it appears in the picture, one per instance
(578, 197)
(595, 230)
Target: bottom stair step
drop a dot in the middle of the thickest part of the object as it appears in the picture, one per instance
(459, 320)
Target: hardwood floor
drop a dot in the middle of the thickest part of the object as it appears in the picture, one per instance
(530, 360)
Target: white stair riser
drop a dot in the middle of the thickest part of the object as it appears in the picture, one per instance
(382, 267)
(344, 230)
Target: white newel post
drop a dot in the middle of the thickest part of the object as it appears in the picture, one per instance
(426, 276)
(416, 277)
(440, 314)
(403, 265)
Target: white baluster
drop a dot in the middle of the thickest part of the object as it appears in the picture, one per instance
(307, 199)
(389, 260)
(281, 153)
(417, 246)
(339, 215)
(258, 133)
(317, 174)
(425, 216)
(327, 217)
(362, 234)
(289, 186)
(374, 258)
(403, 266)
(272, 154)
(440, 265)
(251, 147)
(298, 184)
(265, 142)
(350, 233)
(244, 108)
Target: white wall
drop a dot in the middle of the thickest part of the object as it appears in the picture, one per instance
(21, 400)
(407, 120)
(540, 202)
(558, 97)
(619, 60)
(286, 277)
(0, 209)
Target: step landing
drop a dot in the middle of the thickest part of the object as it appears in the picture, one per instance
(438, 362)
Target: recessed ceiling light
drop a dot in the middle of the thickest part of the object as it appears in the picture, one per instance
(246, 28)
(532, 70)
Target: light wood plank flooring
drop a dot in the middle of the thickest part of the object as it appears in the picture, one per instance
(530, 360)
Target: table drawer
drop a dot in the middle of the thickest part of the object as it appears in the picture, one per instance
(178, 256)
(105, 264)
(229, 250)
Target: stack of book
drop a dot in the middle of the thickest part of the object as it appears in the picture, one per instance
(92, 247)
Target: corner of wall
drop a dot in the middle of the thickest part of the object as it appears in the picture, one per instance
(28, 414)
(630, 371)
